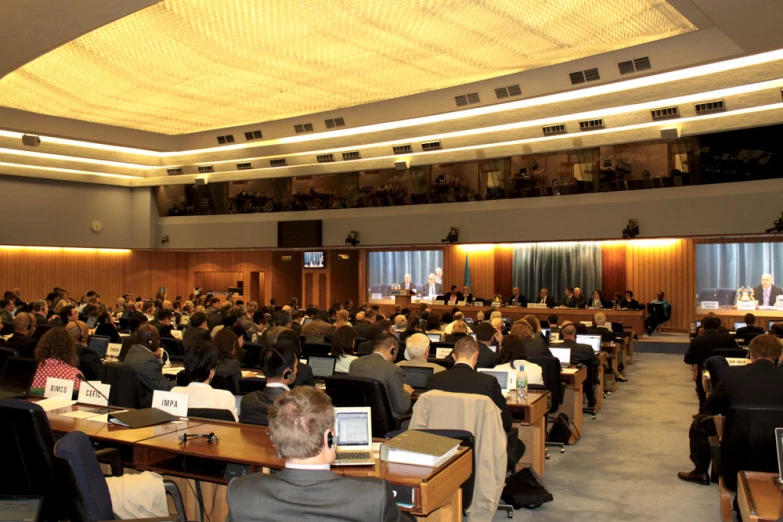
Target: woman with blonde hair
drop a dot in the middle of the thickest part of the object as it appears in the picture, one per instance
(535, 346)
(342, 318)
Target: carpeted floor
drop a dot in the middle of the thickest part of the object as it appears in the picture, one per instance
(625, 467)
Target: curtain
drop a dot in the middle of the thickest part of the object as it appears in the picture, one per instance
(386, 268)
(732, 265)
(536, 266)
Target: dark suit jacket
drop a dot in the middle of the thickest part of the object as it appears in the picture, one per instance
(304, 376)
(487, 358)
(581, 353)
(23, 344)
(215, 320)
(467, 298)
(607, 336)
(774, 292)
(163, 330)
(701, 347)
(519, 300)
(149, 368)
(632, 305)
(581, 301)
(108, 330)
(461, 378)
(426, 289)
(254, 406)
(758, 383)
(127, 342)
(363, 330)
(550, 301)
(570, 302)
(311, 496)
(749, 330)
(453, 338)
(536, 347)
(193, 335)
(317, 327)
(89, 363)
(366, 347)
(374, 366)
(39, 319)
(230, 368)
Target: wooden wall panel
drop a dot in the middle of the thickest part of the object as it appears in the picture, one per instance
(149, 270)
(218, 281)
(613, 270)
(503, 269)
(245, 263)
(343, 276)
(286, 277)
(667, 265)
(482, 271)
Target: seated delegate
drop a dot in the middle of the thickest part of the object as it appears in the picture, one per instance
(201, 362)
(280, 368)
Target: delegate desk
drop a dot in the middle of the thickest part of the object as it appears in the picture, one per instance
(530, 413)
(759, 497)
(572, 402)
(437, 493)
(632, 318)
(730, 315)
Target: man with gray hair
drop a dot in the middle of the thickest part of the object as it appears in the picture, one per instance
(417, 346)
(245, 318)
(767, 293)
(458, 316)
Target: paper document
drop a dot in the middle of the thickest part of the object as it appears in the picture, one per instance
(55, 403)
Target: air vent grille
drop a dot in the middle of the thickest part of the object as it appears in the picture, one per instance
(431, 145)
(626, 67)
(642, 64)
(352, 155)
(591, 75)
(588, 125)
(473, 98)
(303, 127)
(402, 149)
(172, 172)
(467, 99)
(665, 113)
(506, 92)
(710, 107)
(335, 122)
(325, 158)
(551, 130)
(588, 75)
(253, 135)
(281, 162)
(514, 90)
(244, 166)
(577, 77)
(228, 138)
(206, 168)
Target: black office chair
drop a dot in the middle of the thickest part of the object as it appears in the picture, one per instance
(250, 385)
(8, 329)
(346, 390)
(466, 439)
(310, 348)
(253, 359)
(748, 441)
(124, 325)
(5, 353)
(126, 391)
(211, 413)
(174, 348)
(738, 353)
(717, 366)
(75, 450)
(550, 372)
(40, 330)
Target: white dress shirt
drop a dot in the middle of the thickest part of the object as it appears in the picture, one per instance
(203, 395)
(326, 467)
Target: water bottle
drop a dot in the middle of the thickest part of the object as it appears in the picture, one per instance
(521, 383)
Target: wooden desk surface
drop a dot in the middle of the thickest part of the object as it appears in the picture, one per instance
(759, 498)
(573, 376)
(531, 408)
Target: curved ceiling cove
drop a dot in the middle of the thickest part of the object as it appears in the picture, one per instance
(183, 66)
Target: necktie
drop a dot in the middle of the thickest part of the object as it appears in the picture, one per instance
(432, 289)
(766, 297)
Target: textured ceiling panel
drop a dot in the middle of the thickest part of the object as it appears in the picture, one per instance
(183, 66)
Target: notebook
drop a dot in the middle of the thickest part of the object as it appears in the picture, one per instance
(353, 427)
(17, 377)
(417, 377)
(442, 353)
(592, 340)
(505, 378)
(322, 365)
(563, 354)
(99, 345)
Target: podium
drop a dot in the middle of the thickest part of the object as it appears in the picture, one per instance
(402, 297)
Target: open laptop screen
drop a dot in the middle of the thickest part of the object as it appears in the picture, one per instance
(417, 377)
(442, 353)
(592, 340)
(99, 344)
(322, 366)
(501, 376)
(353, 428)
(434, 338)
(563, 354)
(738, 325)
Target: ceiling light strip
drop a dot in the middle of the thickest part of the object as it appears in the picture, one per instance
(68, 171)
(80, 250)
(78, 159)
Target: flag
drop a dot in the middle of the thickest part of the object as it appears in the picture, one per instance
(467, 271)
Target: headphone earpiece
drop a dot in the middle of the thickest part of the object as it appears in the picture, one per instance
(287, 374)
(329, 440)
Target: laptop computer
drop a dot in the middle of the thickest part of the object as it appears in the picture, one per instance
(779, 446)
(99, 345)
(505, 378)
(17, 377)
(91, 321)
(738, 325)
(442, 353)
(417, 377)
(322, 366)
(563, 354)
(26, 508)
(592, 340)
(434, 338)
(546, 333)
(353, 427)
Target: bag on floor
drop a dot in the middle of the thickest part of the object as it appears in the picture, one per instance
(525, 489)
(561, 431)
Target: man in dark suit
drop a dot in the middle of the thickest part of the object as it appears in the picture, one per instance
(296, 321)
(146, 358)
(766, 293)
(379, 330)
(302, 429)
(22, 339)
(364, 326)
(750, 329)
(570, 300)
(380, 366)
(319, 326)
(545, 298)
(432, 289)
(701, 349)
(40, 309)
(197, 331)
(581, 301)
(280, 367)
(758, 383)
(607, 336)
(516, 299)
(407, 284)
(582, 354)
(162, 323)
(485, 334)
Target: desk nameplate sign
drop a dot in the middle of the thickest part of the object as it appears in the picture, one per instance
(745, 305)
(172, 403)
(58, 388)
(113, 351)
(437, 302)
(536, 305)
(710, 305)
(376, 296)
(88, 395)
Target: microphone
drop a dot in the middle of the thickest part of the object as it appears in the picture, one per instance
(88, 383)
